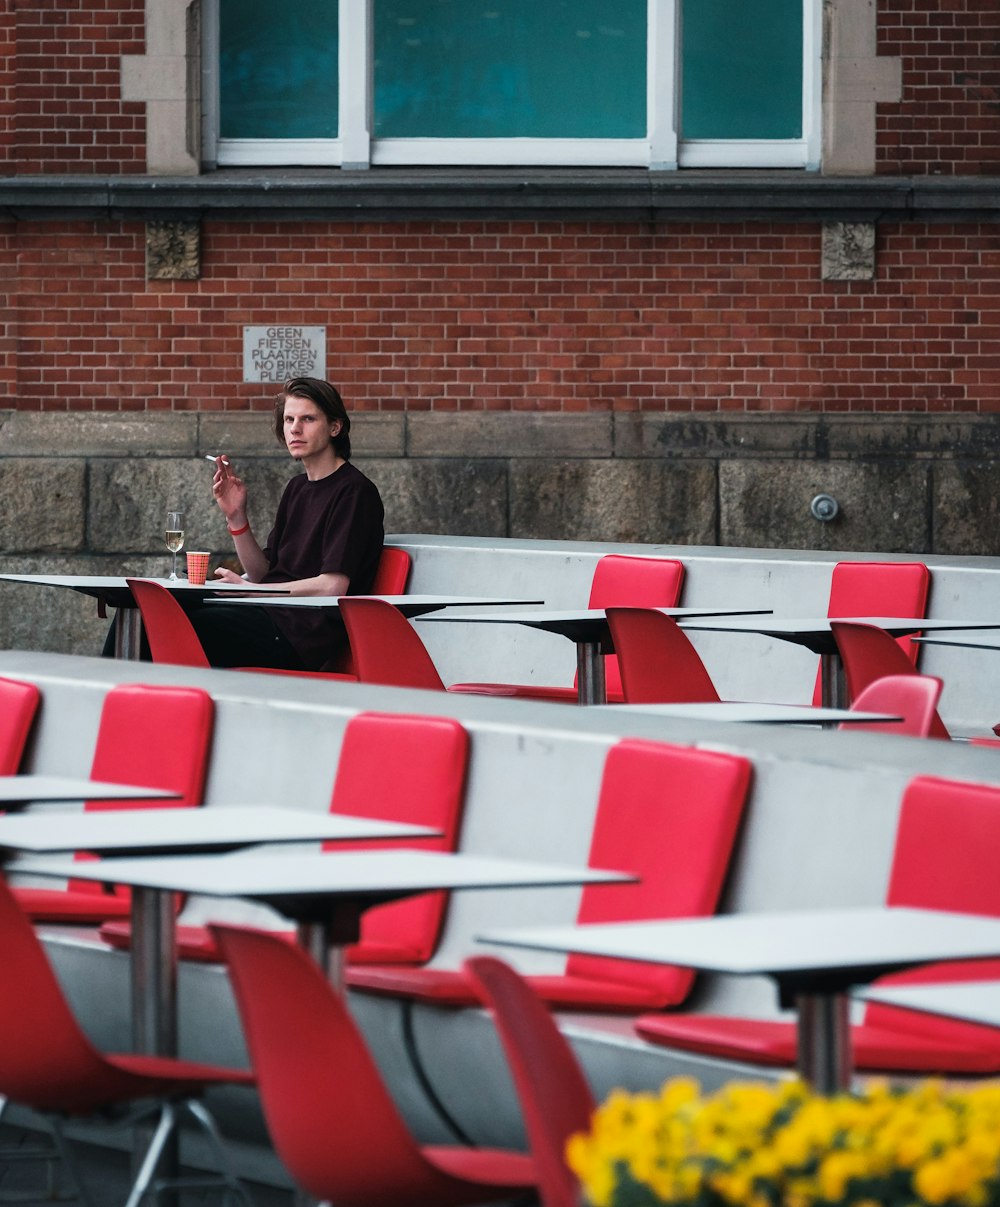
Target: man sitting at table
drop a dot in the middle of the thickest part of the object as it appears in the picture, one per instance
(326, 540)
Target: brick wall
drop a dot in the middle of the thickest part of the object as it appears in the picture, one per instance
(67, 107)
(514, 316)
(949, 118)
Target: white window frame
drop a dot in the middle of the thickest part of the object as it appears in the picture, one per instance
(661, 149)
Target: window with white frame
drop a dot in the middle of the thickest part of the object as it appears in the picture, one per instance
(654, 83)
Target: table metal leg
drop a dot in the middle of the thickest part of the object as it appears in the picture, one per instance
(833, 682)
(128, 633)
(824, 1041)
(590, 685)
(314, 937)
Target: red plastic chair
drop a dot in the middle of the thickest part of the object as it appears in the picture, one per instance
(391, 577)
(331, 1120)
(18, 705)
(49, 1065)
(392, 767)
(170, 634)
(620, 580)
(659, 665)
(912, 697)
(555, 1099)
(878, 589)
(656, 800)
(869, 653)
(153, 737)
(386, 647)
(945, 858)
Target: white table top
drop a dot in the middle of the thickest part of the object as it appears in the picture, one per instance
(761, 714)
(114, 589)
(815, 633)
(971, 1001)
(163, 830)
(849, 946)
(290, 882)
(28, 788)
(402, 602)
(584, 624)
(986, 641)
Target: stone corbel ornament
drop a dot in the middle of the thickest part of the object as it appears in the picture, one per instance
(848, 251)
(173, 251)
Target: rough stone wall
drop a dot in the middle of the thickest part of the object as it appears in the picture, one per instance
(87, 493)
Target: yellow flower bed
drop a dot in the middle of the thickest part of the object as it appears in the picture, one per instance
(781, 1145)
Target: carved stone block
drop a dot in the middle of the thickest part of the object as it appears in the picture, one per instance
(173, 251)
(848, 251)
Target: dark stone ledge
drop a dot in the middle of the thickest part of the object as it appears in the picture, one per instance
(400, 194)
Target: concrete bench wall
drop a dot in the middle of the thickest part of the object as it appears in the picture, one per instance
(819, 831)
(789, 582)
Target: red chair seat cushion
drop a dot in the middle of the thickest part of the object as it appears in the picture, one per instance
(452, 987)
(773, 1042)
(68, 905)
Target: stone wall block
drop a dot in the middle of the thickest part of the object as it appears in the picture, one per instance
(967, 508)
(40, 434)
(252, 435)
(129, 500)
(42, 504)
(670, 502)
(639, 435)
(509, 434)
(883, 505)
(452, 497)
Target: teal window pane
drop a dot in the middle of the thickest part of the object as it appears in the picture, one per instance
(278, 68)
(510, 68)
(741, 74)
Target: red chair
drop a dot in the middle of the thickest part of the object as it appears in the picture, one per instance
(869, 653)
(330, 1118)
(386, 647)
(153, 737)
(659, 665)
(556, 1100)
(392, 767)
(878, 589)
(168, 630)
(912, 697)
(391, 577)
(49, 1065)
(656, 800)
(619, 580)
(945, 858)
(18, 705)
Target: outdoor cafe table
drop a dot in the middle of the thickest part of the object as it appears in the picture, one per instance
(814, 956)
(324, 893)
(409, 605)
(815, 634)
(589, 630)
(757, 714)
(18, 791)
(114, 590)
(165, 832)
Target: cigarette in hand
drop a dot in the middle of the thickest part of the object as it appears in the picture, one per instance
(225, 460)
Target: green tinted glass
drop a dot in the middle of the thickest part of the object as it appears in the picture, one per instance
(278, 68)
(510, 68)
(742, 69)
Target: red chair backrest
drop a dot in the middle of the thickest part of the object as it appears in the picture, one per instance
(670, 814)
(555, 1099)
(329, 1116)
(386, 647)
(18, 706)
(170, 634)
(44, 1053)
(878, 589)
(659, 665)
(912, 697)
(391, 577)
(945, 858)
(410, 769)
(153, 737)
(870, 653)
(621, 580)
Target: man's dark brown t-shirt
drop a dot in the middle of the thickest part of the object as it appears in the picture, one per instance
(331, 526)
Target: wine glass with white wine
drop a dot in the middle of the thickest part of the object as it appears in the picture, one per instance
(174, 539)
